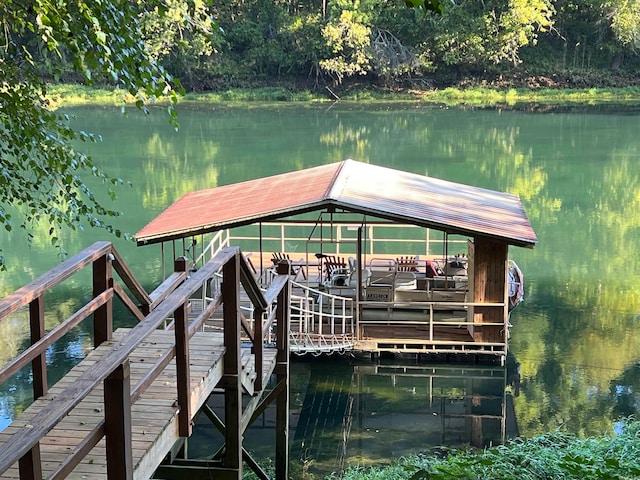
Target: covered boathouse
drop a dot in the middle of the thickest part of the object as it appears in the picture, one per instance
(381, 260)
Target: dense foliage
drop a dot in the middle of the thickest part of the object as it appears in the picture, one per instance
(437, 43)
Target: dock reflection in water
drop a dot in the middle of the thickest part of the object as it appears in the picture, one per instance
(365, 413)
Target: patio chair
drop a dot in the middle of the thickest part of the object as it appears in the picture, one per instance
(295, 268)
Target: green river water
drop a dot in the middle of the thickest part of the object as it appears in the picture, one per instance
(575, 339)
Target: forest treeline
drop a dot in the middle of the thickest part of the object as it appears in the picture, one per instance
(318, 43)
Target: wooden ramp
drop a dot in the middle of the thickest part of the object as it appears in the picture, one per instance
(153, 415)
(123, 408)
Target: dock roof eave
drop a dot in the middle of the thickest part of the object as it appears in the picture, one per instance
(239, 222)
(443, 227)
(357, 187)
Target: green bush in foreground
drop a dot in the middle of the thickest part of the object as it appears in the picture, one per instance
(551, 456)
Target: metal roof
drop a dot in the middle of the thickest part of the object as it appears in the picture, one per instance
(353, 186)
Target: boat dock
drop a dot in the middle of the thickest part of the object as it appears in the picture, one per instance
(125, 410)
(380, 260)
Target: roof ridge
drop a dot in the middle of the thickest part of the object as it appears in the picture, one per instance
(337, 182)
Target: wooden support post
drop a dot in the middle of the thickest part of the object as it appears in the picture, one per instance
(282, 375)
(359, 288)
(38, 364)
(182, 371)
(232, 458)
(103, 317)
(30, 465)
(258, 347)
(117, 418)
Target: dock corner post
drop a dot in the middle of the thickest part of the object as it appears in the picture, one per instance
(38, 364)
(282, 376)
(182, 371)
(232, 459)
(103, 316)
(117, 419)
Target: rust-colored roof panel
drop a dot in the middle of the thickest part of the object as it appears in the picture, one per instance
(238, 203)
(378, 191)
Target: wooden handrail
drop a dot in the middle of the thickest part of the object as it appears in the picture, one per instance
(57, 333)
(26, 294)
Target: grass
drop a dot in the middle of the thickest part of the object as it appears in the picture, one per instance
(551, 456)
(76, 95)
(487, 97)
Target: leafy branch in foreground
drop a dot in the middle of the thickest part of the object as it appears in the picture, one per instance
(41, 173)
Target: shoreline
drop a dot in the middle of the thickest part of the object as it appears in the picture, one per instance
(71, 95)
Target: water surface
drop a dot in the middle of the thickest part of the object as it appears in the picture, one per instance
(576, 338)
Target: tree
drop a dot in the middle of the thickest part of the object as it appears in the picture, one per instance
(182, 37)
(624, 20)
(481, 35)
(41, 173)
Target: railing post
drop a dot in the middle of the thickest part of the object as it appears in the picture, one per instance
(181, 264)
(182, 371)
(258, 346)
(282, 376)
(117, 421)
(38, 364)
(30, 465)
(231, 377)
(103, 316)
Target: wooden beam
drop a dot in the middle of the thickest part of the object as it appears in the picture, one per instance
(133, 308)
(182, 371)
(25, 295)
(63, 470)
(30, 465)
(282, 376)
(25, 357)
(126, 275)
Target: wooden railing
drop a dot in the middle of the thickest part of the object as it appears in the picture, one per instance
(113, 368)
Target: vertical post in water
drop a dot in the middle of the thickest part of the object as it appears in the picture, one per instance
(232, 459)
(282, 376)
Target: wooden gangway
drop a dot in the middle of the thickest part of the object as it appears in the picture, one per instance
(126, 407)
